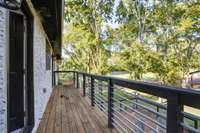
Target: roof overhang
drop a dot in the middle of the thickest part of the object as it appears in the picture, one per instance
(52, 13)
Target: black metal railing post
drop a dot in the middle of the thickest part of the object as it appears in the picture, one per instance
(174, 115)
(110, 103)
(77, 80)
(52, 69)
(92, 91)
(136, 100)
(196, 124)
(54, 78)
(83, 84)
(74, 79)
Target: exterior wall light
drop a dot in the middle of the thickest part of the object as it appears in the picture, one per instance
(11, 4)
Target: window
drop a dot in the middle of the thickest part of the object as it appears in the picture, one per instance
(48, 56)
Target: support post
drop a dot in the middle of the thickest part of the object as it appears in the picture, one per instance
(84, 85)
(174, 115)
(196, 124)
(136, 100)
(54, 78)
(52, 69)
(192, 81)
(110, 103)
(77, 80)
(92, 91)
(74, 79)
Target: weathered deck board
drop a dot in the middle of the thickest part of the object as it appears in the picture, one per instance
(44, 120)
(68, 112)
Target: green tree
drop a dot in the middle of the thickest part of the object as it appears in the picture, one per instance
(161, 37)
(86, 18)
(170, 29)
(133, 60)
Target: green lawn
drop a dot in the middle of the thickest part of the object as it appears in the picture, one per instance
(192, 111)
(125, 75)
(146, 77)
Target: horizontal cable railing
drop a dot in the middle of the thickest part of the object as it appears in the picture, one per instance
(140, 107)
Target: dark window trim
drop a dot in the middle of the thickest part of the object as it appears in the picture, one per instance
(48, 56)
(30, 68)
(30, 30)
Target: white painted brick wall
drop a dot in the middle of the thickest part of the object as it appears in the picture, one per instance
(42, 77)
(3, 83)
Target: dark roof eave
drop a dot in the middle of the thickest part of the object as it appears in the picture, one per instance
(60, 26)
(53, 22)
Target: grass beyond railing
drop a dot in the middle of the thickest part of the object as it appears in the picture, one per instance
(132, 106)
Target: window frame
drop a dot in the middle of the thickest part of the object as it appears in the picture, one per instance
(48, 56)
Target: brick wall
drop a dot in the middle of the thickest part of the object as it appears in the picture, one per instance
(3, 83)
(42, 77)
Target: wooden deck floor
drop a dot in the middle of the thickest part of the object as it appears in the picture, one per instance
(68, 112)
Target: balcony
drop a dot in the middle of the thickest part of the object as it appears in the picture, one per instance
(85, 102)
(68, 111)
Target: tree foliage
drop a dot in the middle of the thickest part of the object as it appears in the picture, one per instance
(85, 22)
(161, 37)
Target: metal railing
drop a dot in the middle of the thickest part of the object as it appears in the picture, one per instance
(132, 106)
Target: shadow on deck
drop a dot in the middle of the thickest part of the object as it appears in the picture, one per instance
(68, 112)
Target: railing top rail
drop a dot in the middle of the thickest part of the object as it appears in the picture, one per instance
(187, 96)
